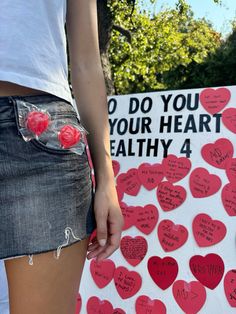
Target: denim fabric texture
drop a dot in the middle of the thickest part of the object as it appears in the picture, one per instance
(46, 194)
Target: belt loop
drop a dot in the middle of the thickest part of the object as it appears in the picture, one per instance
(14, 102)
(10, 99)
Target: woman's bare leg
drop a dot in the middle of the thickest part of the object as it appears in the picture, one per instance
(50, 285)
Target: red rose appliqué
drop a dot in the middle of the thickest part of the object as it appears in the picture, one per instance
(37, 122)
(69, 136)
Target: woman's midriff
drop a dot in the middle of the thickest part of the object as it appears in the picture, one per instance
(12, 89)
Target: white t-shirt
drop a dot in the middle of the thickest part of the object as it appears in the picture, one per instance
(33, 45)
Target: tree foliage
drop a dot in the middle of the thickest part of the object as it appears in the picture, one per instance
(155, 47)
(218, 69)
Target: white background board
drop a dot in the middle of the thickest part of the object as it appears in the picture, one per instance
(216, 301)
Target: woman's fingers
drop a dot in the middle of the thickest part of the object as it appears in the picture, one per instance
(96, 251)
(100, 243)
(93, 246)
(101, 232)
(109, 221)
(115, 224)
(113, 245)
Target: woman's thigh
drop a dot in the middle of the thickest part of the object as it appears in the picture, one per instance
(50, 285)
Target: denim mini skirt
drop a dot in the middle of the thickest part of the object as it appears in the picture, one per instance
(46, 192)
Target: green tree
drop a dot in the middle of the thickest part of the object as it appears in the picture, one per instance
(218, 69)
(165, 43)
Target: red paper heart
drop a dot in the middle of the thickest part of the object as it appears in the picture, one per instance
(144, 305)
(207, 231)
(219, 153)
(163, 271)
(170, 196)
(203, 184)
(230, 287)
(176, 168)
(133, 249)
(189, 296)
(146, 218)
(150, 175)
(37, 122)
(129, 182)
(127, 282)
(231, 170)
(209, 270)
(128, 214)
(78, 304)
(228, 197)
(118, 311)
(229, 119)
(214, 100)
(102, 271)
(97, 306)
(171, 236)
(116, 167)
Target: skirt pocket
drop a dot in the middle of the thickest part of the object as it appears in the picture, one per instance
(53, 128)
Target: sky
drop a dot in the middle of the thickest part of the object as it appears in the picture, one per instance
(219, 16)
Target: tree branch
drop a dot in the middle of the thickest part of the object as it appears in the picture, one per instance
(123, 31)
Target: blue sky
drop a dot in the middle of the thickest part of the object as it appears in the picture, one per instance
(220, 16)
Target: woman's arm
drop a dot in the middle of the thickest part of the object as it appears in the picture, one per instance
(89, 89)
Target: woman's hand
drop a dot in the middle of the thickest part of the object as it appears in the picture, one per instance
(109, 221)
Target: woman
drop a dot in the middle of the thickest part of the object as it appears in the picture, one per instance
(47, 200)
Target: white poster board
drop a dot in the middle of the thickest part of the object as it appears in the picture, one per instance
(151, 128)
